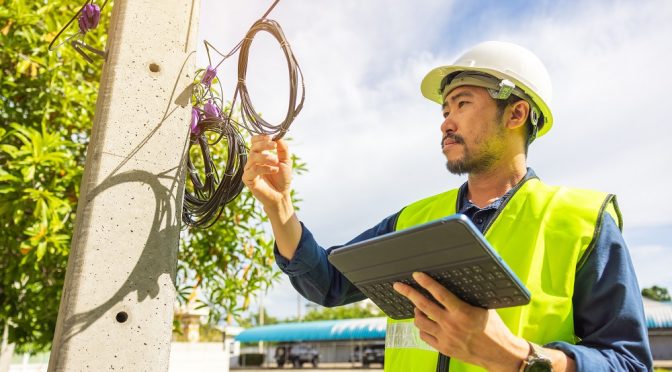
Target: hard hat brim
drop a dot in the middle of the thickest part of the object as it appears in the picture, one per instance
(430, 88)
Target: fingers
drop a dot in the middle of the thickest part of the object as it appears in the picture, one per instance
(252, 171)
(424, 323)
(443, 296)
(429, 339)
(256, 166)
(262, 143)
(421, 302)
(260, 153)
(439, 292)
(263, 158)
(261, 147)
(260, 161)
(284, 156)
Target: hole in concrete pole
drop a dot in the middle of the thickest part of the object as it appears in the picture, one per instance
(153, 67)
(122, 316)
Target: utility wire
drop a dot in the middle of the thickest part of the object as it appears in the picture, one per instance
(203, 206)
(210, 193)
(252, 121)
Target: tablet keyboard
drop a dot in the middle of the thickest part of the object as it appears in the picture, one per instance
(485, 285)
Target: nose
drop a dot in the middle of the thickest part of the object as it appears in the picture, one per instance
(448, 125)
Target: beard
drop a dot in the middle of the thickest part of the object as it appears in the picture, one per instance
(488, 152)
(470, 163)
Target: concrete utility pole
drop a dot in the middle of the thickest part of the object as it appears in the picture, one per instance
(117, 307)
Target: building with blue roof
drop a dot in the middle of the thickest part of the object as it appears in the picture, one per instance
(659, 323)
(323, 330)
(338, 339)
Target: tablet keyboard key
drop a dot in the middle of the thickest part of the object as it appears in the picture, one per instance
(503, 284)
(507, 292)
(484, 285)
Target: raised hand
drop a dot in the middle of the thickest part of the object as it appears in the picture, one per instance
(268, 171)
(268, 175)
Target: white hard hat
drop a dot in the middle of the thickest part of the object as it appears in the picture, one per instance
(518, 70)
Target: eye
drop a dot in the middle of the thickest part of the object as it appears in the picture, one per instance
(445, 114)
(461, 103)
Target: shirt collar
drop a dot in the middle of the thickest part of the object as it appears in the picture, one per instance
(465, 204)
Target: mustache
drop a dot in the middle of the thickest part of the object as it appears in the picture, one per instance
(452, 136)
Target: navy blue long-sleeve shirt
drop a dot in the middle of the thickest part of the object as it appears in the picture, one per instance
(608, 311)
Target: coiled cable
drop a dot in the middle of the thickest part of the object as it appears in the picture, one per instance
(251, 120)
(204, 204)
(205, 199)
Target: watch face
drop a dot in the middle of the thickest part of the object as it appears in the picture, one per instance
(539, 366)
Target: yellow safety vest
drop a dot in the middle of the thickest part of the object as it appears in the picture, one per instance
(544, 234)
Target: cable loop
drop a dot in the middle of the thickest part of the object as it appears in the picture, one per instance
(204, 203)
(205, 199)
(251, 120)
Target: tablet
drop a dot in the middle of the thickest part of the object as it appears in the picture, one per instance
(451, 250)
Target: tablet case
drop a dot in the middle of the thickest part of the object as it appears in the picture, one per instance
(451, 250)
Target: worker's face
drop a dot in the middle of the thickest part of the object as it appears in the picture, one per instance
(473, 138)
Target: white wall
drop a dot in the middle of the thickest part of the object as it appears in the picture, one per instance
(201, 357)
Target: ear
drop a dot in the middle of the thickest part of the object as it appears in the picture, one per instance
(517, 114)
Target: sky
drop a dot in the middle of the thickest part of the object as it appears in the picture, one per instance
(371, 140)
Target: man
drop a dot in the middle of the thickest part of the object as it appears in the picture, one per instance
(564, 244)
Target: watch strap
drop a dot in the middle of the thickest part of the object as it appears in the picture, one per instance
(537, 358)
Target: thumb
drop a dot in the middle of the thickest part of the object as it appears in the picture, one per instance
(284, 155)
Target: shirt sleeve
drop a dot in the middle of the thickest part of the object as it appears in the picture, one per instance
(313, 276)
(608, 310)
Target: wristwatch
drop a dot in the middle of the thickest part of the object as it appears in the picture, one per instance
(536, 361)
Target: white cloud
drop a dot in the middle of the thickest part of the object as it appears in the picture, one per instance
(282, 301)
(363, 116)
(651, 270)
(608, 61)
(371, 140)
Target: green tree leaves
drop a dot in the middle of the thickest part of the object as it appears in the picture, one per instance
(40, 164)
(656, 293)
(352, 311)
(47, 103)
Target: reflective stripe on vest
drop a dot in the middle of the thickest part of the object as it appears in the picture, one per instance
(544, 234)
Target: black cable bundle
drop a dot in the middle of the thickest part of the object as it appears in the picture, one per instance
(205, 202)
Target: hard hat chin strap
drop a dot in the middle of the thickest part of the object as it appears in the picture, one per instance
(535, 116)
(535, 127)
